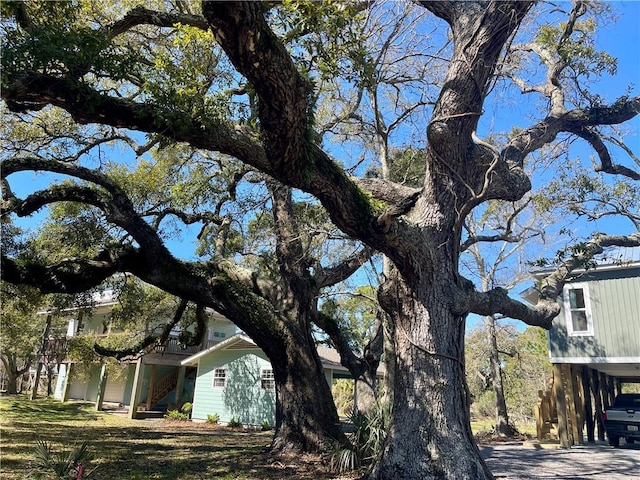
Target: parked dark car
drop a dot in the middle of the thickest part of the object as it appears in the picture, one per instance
(622, 420)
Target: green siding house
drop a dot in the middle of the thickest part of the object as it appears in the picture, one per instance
(599, 325)
(153, 382)
(234, 381)
(594, 346)
(227, 374)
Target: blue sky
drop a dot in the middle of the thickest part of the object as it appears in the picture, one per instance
(621, 40)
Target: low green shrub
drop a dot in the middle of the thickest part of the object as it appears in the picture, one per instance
(266, 425)
(176, 415)
(234, 423)
(215, 418)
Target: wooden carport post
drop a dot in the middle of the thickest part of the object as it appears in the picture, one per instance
(561, 406)
(578, 404)
(588, 408)
(618, 386)
(572, 417)
(608, 389)
(594, 382)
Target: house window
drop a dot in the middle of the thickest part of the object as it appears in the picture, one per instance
(267, 380)
(220, 377)
(577, 309)
(219, 334)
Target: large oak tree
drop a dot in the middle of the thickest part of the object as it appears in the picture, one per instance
(88, 71)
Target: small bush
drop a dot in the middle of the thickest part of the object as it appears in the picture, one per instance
(215, 418)
(186, 409)
(342, 390)
(485, 405)
(234, 423)
(266, 425)
(176, 415)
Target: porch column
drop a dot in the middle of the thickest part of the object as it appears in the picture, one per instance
(67, 383)
(180, 385)
(561, 406)
(137, 389)
(152, 380)
(102, 386)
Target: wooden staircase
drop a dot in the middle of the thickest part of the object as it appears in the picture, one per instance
(546, 415)
(163, 387)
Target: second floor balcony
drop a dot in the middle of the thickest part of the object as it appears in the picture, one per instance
(59, 347)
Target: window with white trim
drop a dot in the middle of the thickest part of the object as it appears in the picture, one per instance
(220, 377)
(577, 309)
(267, 380)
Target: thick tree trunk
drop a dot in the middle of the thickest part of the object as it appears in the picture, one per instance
(503, 427)
(12, 384)
(430, 435)
(306, 416)
(365, 393)
(14, 373)
(366, 385)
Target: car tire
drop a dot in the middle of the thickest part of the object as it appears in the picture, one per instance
(614, 441)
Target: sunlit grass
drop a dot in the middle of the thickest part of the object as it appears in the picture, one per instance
(138, 449)
(147, 449)
(487, 424)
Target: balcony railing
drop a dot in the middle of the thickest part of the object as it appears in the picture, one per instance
(56, 345)
(173, 346)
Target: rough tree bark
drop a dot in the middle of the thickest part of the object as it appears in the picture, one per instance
(306, 417)
(430, 434)
(304, 397)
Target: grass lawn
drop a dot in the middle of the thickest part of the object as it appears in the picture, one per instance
(481, 426)
(141, 449)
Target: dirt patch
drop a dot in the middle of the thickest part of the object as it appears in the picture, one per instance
(490, 437)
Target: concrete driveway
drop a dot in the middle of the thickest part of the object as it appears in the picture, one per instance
(590, 462)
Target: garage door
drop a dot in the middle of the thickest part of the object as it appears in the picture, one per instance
(77, 390)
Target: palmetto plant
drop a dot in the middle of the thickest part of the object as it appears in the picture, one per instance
(61, 465)
(367, 439)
